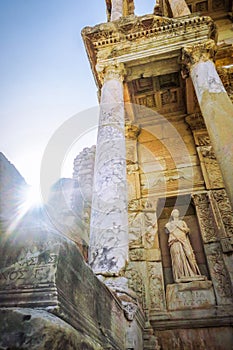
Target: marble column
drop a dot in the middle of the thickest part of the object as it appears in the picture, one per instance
(109, 218)
(215, 105)
(117, 9)
(179, 8)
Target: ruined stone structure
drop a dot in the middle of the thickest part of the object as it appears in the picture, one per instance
(165, 142)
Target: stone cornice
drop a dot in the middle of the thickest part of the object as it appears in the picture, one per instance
(131, 28)
(134, 38)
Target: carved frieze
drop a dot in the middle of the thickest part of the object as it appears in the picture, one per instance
(225, 210)
(136, 254)
(145, 254)
(134, 28)
(150, 229)
(135, 231)
(148, 203)
(210, 167)
(172, 181)
(219, 274)
(205, 217)
(142, 229)
(156, 286)
(137, 282)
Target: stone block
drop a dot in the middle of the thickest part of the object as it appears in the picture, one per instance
(25, 328)
(41, 268)
(195, 294)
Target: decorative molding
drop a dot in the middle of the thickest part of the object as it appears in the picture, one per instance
(145, 26)
(157, 295)
(140, 38)
(225, 210)
(210, 168)
(219, 274)
(136, 283)
(205, 217)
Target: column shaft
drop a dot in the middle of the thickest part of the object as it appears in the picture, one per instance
(117, 9)
(109, 221)
(217, 111)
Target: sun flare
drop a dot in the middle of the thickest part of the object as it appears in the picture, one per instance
(32, 197)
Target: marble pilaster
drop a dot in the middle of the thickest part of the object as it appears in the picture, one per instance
(109, 218)
(215, 105)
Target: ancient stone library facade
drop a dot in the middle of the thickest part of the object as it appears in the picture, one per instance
(135, 251)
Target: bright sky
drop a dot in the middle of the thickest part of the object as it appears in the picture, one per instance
(45, 76)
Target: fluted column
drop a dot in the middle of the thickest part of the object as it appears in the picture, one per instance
(179, 8)
(109, 220)
(215, 105)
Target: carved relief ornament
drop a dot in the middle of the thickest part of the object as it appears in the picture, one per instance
(195, 121)
(205, 217)
(132, 131)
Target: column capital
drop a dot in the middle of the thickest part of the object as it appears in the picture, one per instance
(113, 71)
(192, 54)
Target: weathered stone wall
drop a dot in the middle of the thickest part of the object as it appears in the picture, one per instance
(41, 269)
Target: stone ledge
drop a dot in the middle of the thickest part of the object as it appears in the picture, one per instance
(195, 318)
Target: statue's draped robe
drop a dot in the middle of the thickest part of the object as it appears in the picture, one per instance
(184, 264)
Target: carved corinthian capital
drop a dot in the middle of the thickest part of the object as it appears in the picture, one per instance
(111, 71)
(192, 54)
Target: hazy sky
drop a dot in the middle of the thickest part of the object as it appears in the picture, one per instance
(45, 74)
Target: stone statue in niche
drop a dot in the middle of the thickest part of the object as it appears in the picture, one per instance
(184, 265)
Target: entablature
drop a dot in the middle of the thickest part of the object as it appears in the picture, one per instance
(141, 39)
